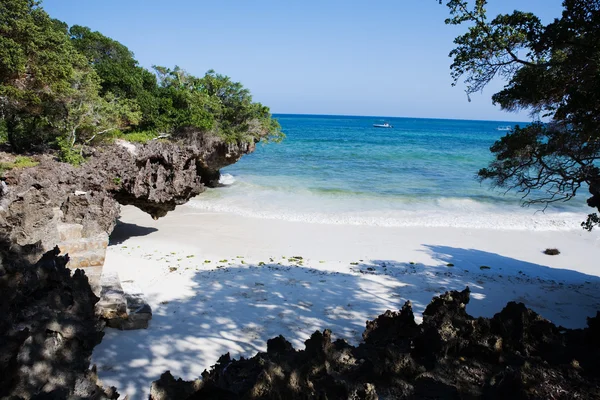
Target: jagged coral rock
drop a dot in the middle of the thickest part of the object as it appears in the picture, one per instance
(48, 330)
(155, 177)
(451, 355)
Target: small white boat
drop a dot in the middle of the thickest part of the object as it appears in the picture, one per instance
(383, 125)
(504, 128)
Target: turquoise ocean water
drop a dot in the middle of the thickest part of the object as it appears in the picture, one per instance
(342, 170)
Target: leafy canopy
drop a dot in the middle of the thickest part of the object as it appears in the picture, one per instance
(67, 87)
(36, 65)
(213, 103)
(551, 70)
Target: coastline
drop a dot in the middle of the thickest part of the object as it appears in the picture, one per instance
(349, 273)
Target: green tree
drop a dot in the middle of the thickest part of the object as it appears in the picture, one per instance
(87, 114)
(235, 112)
(182, 104)
(35, 67)
(119, 72)
(113, 62)
(67, 87)
(213, 103)
(551, 70)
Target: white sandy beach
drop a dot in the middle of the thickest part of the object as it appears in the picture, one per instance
(221, 283)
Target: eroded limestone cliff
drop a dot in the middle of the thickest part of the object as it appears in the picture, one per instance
(48, 322)
(36, 202)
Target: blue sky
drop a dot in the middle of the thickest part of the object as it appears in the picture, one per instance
(387, 58)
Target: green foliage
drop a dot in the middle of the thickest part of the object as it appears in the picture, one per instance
(134, 137)
(88, 115)
(119, 73)
(3, 132)
(34, 68)
(67, 152)
(141, 136)
(181, 103)
(19, 162)
(67, 87)
(237, 117)
(51, 91)
(551, 70)
(172, 100)
(214, 103)
(112, 61)
(24, 162)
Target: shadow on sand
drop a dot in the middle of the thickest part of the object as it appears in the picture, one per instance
(238, 307)
(124, 231)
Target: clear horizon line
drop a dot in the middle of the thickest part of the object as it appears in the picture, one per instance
(390, 116)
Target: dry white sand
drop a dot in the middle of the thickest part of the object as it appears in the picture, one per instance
(221, 283)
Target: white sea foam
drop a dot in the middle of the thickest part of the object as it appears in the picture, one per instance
(305, 206)
(226, 179)
(435, 219)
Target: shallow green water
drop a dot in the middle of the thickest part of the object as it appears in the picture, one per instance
(340, 169)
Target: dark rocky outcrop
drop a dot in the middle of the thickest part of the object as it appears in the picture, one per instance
(48, 330)
(155, 177)
(48, 321)
(451, 355)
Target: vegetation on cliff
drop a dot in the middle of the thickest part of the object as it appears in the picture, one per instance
(17, 162)
(64, 87)
(552, 71)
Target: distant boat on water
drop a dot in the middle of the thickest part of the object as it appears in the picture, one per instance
(504, 128)
(383, 125)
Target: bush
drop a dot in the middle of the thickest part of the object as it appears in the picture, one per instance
(19, 162)
(3, 132)
(68, 153)
(141, 137)
(134, 137)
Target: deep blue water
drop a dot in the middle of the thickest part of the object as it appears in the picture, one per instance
(340, 169)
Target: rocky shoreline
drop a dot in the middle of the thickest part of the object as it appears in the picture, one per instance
(451, 355)
(48, 330)
(55, 220)
(155, 177)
